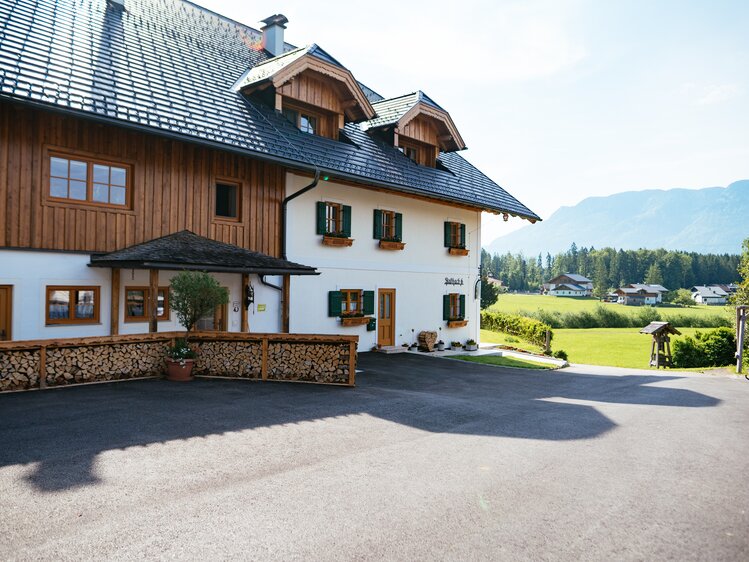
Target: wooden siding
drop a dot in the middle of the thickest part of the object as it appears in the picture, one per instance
(422, 130)
(310, 89)
(172, 181)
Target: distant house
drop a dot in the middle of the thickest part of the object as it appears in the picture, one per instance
(568, 285)
(709, 294)
(659, 290)
(631, 296)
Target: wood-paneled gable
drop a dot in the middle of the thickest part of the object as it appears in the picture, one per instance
(422, 130)
(172, 187)
(313, 89)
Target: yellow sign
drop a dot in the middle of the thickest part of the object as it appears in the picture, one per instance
(261, 308)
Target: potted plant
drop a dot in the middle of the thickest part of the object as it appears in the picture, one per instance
(192, 295)
(471, 345)
(440, 346)
(180, 359)
(455, 345)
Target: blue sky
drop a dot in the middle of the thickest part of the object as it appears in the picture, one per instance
(557, 100)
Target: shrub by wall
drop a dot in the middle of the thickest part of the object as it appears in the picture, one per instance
(526, 328)
(715, 348)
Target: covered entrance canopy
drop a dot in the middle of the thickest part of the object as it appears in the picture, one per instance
(186, 250)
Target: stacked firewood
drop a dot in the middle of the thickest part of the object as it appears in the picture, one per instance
(19, 370)
(229, 359)
(70, 365)
(308, 362)
(427, 340)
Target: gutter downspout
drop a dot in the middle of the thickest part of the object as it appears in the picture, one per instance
(285, 203)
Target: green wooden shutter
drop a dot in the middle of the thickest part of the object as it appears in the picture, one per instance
(462, 307)
(399, 227)
(335, 301)
(321, 208)
(447, 234)
(377, 224)
(463, 235)
(346, 221)
(368, 302)
(446, 307)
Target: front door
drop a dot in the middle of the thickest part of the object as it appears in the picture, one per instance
(386, 317)
(6, 308)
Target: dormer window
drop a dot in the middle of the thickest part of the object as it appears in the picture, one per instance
(420, 153)
(305, 121)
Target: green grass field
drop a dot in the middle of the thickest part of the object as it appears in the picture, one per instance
(614, 347)
(503, 361)
(517, 304)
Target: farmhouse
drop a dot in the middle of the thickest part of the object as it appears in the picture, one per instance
(568, 285)
(709, 294)
(658, 290)
(632, 296)
(139, 138)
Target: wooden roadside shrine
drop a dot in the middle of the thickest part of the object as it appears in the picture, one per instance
(660, 350)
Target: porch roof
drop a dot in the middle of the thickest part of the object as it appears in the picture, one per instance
(187, 250)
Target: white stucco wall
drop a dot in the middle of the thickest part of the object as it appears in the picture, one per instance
(31, 272)
(417, 273)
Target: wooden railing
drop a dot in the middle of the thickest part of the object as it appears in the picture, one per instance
(315, 358)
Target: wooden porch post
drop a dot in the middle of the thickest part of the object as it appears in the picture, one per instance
(153, 303)
(285, 304)
(245, 324)
(114, 318)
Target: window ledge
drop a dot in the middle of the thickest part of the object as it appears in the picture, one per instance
(458, 251)
(391, 245)
(457, 323)
(355, 320)
(336, 241)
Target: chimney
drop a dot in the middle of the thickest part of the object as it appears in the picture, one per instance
(273, 34)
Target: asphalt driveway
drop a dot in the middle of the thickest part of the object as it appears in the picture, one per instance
(425, 459)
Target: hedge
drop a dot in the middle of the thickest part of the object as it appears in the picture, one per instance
(606, 317)
(527, 328)
(707, 349)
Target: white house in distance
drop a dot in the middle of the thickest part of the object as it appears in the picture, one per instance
(636, 296)
(221, 148)
(568, 285)
(709, 294)
(657, 290)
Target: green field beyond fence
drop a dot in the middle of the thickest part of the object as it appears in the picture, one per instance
(568, 312)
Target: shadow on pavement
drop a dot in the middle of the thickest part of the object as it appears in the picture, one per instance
(65, 430)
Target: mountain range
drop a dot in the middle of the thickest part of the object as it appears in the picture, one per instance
(709, 220)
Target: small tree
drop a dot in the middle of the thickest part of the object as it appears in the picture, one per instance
(682, 297)
(742, 294)
(489, 293)
(195, 294)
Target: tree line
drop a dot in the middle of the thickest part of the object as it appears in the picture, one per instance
(609, 268)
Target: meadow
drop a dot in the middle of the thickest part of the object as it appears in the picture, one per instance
(614, 347)
(570, 312)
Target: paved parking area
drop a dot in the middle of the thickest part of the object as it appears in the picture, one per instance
(425, 459)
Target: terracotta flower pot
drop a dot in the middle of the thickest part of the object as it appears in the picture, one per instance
(179, 370)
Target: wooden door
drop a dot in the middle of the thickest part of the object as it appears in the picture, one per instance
(386, 317)
(6, 311)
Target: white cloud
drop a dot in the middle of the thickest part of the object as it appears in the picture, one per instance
(719, 94)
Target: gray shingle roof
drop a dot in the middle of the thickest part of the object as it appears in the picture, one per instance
(187, 250)
(391, 110)
(170, 67)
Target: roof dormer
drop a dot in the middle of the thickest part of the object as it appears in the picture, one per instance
(312, 89)
(419, 126)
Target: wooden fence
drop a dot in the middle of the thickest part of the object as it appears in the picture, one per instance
(313, 358)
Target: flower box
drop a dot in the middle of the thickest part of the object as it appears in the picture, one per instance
(354, 320)
(457, 323)
(336, 241)
(391, 245)
(458, 251)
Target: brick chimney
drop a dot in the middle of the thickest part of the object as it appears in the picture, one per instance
(273, 34)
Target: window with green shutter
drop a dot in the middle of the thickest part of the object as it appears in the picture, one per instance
(333, 219)
(453, 307)
(335, 303)
(368, 302)
(455, 238)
